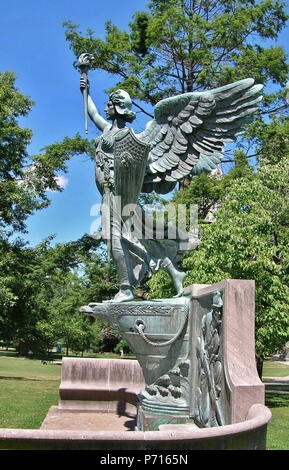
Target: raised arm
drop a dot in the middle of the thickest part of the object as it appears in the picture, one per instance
(93, 113)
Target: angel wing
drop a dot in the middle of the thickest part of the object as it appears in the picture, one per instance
(189, 131)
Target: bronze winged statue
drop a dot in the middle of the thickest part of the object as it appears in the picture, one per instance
(186, 137)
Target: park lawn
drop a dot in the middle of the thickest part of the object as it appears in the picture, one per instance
(278, 427)
(278, 402)
(24, 405)
(275, 369)
(23, 368)
(27, 390)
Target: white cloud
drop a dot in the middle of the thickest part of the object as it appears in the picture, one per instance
(30, 175)
(61, 181)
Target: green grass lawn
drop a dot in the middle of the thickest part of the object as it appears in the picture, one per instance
(278, 402)
(275, 369)
(29, 388)
(278, 427)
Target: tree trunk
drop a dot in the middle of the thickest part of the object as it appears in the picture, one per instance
(259, 363)
(23, 349)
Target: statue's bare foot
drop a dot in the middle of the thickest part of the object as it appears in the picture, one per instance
(177, 276)
(178, 280)
(124, 295)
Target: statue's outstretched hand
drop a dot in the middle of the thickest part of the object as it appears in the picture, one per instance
(84, 83)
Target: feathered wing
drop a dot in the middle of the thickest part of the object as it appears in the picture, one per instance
(189, 131)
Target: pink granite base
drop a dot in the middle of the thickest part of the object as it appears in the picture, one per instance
(100, 385)
(74, 420)
(247, 435)
(246, 388)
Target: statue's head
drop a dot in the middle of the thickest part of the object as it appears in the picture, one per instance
(122, 104)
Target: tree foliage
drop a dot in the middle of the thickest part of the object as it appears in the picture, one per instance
(42, 288)
(42, 292)
(249, 240)
(178, 46)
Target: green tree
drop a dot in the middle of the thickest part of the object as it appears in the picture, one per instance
(46, 287)
(29, 275)
(62, 321)
(101, 278)
(178, 46)
(249, 240)
(271, 138)
(14, 200)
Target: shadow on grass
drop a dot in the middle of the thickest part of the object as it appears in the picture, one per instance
(5, 353)
(30, 379)
(276, 398)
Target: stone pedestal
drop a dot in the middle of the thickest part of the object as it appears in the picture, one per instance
(197, 354)
(225, 383)
(159, 334)
(152, 421)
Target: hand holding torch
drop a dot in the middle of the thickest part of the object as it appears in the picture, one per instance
(83, 64)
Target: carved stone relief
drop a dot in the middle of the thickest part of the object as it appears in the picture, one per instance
(211, 400)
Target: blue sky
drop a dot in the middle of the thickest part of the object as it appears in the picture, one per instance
(35, 49)
(33, 46)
